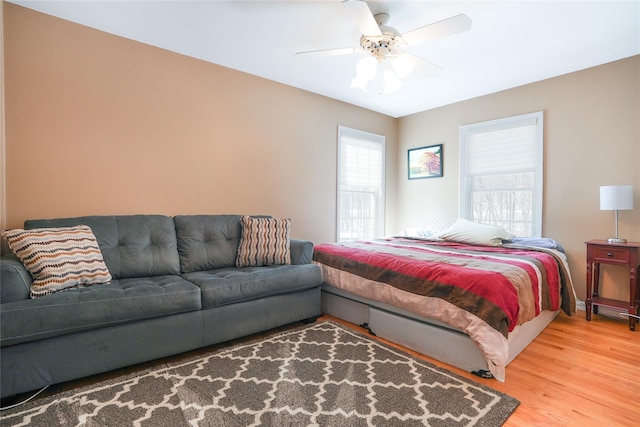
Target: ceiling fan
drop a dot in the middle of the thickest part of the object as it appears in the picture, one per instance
(385, 45)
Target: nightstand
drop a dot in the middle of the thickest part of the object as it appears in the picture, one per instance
(625, 254)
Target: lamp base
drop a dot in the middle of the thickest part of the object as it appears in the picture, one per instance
(616, 240)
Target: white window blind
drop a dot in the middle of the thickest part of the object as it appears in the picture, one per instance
(501, 173)
(360, 184)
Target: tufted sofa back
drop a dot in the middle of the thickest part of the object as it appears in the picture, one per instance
(206, 242)
(131, 245)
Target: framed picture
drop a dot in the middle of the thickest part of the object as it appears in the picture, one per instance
(425, 162)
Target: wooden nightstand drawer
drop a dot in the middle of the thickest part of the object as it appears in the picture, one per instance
(610, 255)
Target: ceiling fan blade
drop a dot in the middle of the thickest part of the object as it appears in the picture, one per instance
(362, 16)
(423, 66)
(446, 27)
(329, 52)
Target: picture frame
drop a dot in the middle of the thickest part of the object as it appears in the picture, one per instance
(425, 162)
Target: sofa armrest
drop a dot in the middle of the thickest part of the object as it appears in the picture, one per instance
(14, 278)
(301, 251)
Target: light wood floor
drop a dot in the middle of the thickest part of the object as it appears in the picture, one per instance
(576, 373)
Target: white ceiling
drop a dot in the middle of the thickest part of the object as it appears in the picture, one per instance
(511, 43)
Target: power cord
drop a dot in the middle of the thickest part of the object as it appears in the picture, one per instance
(24, 401)
(629, 315)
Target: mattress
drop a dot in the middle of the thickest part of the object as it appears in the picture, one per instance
(484, 292)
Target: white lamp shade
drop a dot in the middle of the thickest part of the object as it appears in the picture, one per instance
(616, 197)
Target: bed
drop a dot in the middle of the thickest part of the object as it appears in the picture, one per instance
(471, 306)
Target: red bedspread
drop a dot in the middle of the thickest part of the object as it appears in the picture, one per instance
(503, 286)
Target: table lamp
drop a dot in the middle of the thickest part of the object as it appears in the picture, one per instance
(616, 198)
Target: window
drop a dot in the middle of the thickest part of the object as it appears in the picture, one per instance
(360, 184)
(501, 173)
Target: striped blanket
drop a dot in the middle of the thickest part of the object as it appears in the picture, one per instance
(483, 291)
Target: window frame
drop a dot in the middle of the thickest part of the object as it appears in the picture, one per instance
(345, 132)
(465, 204)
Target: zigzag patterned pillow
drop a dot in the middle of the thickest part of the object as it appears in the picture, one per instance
(264, 241)
(59, 258)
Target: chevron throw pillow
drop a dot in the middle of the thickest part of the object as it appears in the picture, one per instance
(264, 241)
(59, 258)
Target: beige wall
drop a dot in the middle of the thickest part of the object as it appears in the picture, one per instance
(98, 124)
(591, 138)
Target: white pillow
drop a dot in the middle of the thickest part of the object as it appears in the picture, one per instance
(473, 233)
(417, 232)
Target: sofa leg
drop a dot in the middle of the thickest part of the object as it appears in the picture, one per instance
(310, 320)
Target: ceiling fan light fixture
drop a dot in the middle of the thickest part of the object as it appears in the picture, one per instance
(391, 82)
(384, 46)
(403, 66)
(367, 67)
(359, 83)
(366, 71)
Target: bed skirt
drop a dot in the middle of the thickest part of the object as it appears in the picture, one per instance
(427, 336)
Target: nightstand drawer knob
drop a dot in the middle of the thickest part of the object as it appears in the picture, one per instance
(609, 254)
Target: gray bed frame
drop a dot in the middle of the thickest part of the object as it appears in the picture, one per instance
(429, 337)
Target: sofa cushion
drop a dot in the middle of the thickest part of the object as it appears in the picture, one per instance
(15, 280)
(58, 258)
(132, 245)
(119, 301)
(206, 242)
(264, 241)
(232, 285)
(301, 251)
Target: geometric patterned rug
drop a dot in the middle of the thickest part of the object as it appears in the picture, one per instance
(321, 374)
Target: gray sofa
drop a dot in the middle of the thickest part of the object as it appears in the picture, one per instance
(175, 288)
